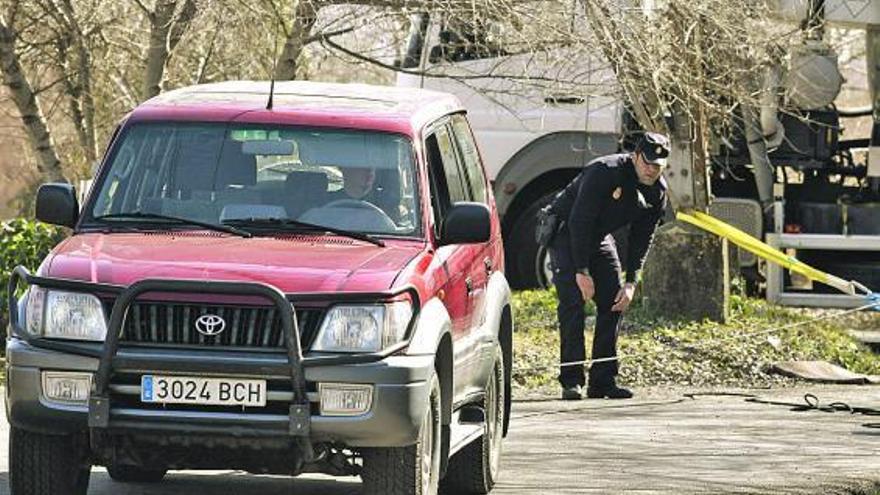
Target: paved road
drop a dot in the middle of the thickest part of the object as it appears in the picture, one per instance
(661, 442)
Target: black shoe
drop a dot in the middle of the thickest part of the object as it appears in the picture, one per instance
(572, 393)
(612, 392)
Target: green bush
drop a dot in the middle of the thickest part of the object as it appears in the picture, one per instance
(23, 242)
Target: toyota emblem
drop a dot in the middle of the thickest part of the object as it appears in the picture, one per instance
(210, 325)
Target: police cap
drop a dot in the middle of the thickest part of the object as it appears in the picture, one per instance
(654, 147)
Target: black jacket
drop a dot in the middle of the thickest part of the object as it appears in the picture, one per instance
(604, 197)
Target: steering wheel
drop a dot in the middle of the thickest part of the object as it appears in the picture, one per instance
(382, 219)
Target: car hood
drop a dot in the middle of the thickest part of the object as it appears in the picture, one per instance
(293, 263)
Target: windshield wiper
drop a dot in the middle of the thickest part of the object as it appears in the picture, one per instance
(289, 223)
(158, 216)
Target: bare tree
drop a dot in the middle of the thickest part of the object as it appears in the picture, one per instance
(25, 96)
(296, 34)
(169, 21)
(73, 60)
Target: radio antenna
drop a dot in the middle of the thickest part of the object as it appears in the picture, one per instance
(274, 68)
(271, 92)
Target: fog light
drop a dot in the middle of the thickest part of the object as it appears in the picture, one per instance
(345, 399)
(67, 388)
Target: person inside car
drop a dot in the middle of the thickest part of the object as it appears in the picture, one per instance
(349, 208)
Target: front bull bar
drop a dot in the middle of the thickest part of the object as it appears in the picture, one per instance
(99, 410)
(299, 414)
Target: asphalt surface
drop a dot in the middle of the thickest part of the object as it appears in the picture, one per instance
(660, 442)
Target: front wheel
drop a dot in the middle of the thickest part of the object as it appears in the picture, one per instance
(411, 470)
(528, 263)
(474, 470)
(42, 464)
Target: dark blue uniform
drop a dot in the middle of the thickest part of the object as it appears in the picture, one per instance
(604, 197)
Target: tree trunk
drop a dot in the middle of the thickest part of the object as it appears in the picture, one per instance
(85, 100)
(26, 101)
(157, 52)
(304, 17)
(686, 275)
(165, 33)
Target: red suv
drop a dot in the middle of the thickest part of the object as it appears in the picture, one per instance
(307, 281)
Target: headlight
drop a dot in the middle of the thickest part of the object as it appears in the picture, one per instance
(65, 315)
(367, 328)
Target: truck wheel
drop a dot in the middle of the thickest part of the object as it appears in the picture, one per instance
(135, 474)
(41, 464)
(528, 261)
(411, 470)
(474, 469)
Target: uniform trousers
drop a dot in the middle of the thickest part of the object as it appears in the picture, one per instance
(605, 269)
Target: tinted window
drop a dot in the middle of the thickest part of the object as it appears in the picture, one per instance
(464, 39)
(454, 180)
(471, 157)
(352, 180)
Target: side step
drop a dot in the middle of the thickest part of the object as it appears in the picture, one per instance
(467, 426)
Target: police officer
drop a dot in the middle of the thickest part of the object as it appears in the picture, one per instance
(609, 193)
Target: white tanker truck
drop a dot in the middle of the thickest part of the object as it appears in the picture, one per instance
(796, 182)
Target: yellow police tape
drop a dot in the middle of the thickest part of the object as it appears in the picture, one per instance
(770, 253)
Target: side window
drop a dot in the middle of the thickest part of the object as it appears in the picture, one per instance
(439, 192)
(522, 28)
(447, 182)
(465, 39)
(451, 169)
(471, 158)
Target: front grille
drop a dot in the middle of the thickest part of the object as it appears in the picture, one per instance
(249, 327)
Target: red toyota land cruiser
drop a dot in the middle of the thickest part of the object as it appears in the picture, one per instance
(311, 282)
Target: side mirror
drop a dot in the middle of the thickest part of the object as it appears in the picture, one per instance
(57, 204)
(466, 223)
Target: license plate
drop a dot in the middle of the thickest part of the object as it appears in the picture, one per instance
(202, 390)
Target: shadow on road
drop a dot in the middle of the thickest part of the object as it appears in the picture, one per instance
(216, 483)
(590, 406)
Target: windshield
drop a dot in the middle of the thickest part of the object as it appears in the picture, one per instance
(213, 173)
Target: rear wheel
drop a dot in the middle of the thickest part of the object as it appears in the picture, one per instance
(474, 470)
(135, 474)
(41, 464)
(411, 470)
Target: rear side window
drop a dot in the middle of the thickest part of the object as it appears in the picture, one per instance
(471, 158)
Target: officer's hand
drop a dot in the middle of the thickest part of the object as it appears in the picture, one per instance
(585, 284)
(624, 297)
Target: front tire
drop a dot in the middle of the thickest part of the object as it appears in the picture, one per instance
(528, 261)
(475, 469)
(42, 464)
(411, 470)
